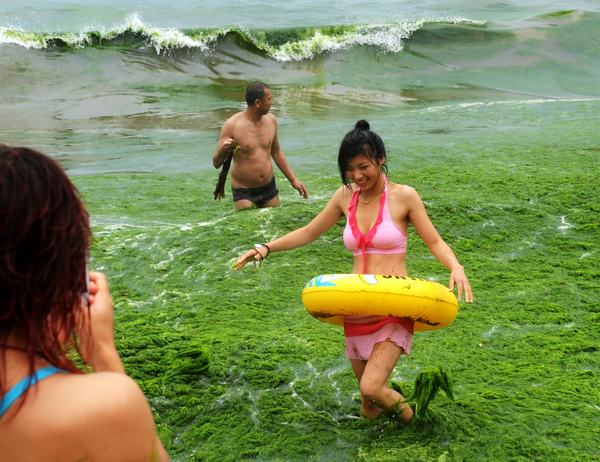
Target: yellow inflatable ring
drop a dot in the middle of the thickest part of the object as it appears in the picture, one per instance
(330, 297)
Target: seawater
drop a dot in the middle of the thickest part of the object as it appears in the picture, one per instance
(145, 86)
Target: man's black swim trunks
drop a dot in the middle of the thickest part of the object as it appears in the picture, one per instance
(259, 196)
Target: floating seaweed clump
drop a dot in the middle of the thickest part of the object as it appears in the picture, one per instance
(188, 364)
(427, 384)
(219, 192)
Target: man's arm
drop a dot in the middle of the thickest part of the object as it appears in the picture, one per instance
(281, 161)
(224, 144)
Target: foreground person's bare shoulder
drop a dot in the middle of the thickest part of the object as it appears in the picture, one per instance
(73, 417)
(125, 418)
(114, 420)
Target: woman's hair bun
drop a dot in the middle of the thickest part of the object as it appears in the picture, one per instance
(362, 125)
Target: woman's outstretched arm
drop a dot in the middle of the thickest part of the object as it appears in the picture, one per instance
(327, 218)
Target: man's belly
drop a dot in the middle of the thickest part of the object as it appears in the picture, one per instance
(250, 174)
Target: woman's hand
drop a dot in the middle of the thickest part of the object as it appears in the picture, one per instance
(253, 255)
(459, 279)
(96, 331)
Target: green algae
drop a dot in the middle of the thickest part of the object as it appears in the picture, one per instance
(235, 369)
(558, 14)
(427, 384)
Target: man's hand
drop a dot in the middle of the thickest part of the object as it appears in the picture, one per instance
(225, 146)
(229, 145)
(300, 188)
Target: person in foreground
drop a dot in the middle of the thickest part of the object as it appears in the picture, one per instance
(377, 213)
(49, 409)
(249, 138)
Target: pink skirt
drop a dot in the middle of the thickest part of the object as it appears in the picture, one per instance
(361, 346)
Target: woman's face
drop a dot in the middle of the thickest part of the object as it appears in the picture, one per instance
(363, 171)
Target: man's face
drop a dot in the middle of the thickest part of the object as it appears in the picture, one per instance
(264, 104)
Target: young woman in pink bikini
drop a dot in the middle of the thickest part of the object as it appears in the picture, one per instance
(377, 213)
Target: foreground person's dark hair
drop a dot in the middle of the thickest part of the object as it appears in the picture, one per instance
(44, 238)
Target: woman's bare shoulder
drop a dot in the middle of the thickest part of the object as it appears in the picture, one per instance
(342, 195)
(118, 383)
(108, 415)
(344, 191)
(107, 395)
(403, 191)
(100, 416)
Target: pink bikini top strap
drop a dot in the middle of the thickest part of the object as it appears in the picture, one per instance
(363, 240)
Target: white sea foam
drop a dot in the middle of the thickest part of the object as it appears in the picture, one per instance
(387, 37)
(295, 394)
(480, 104)
(490, 332)
(160, 38)
(564, 225)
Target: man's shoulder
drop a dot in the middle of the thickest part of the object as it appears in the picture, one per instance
(235, 118)
(270, 118)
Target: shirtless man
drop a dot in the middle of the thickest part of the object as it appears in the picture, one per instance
(254, 131)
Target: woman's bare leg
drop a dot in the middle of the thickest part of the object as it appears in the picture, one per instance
(367, 408)
(374, 382)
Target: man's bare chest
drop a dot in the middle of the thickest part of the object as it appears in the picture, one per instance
(250, 138)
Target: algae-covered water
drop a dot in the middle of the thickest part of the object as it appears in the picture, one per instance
(490, 110)
(235, 369)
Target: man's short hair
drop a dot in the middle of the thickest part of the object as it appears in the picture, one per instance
(254, 91)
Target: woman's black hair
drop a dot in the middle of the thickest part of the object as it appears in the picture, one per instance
(44, 240)
(359, 141)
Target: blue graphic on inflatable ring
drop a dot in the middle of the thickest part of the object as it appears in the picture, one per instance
(320, 281)
(326, 280)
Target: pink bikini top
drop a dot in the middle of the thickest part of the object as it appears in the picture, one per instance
(383, 238)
